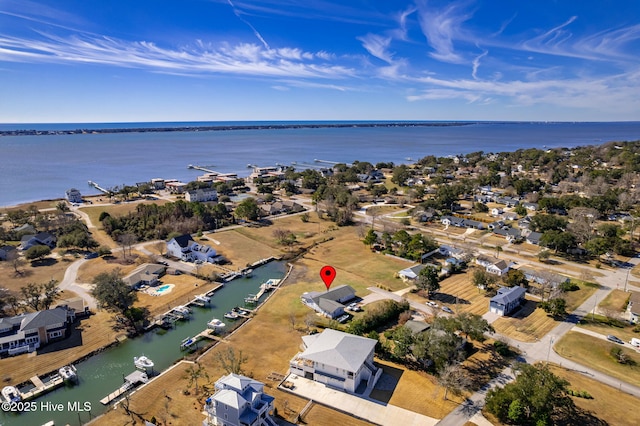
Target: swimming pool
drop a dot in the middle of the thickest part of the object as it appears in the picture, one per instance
(162, 290)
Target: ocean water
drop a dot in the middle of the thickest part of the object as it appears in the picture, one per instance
(42, 167)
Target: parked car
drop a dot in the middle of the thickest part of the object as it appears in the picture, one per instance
(163, 262)
(354, 307)
(614, 339)
(432, 304)
(91, 255)
(447, 309)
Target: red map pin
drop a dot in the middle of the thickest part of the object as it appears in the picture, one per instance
(328, 274)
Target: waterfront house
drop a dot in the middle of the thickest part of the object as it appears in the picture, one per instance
(340, 360)
(239, 401)
(28, 332)
(146, 274)
(507, 300)
(41, 238)
(330, 303)
(201, 195)
(175, 186)
(184, 248)
(73, 195)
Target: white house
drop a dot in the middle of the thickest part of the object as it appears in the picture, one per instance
(184, 248)
(486, 261)
(239, 401)
(496, 211)
(411, 273)
(633, 308)
(330, 303)
(73, 195)
(340, 360)
(507, 300)
(499, 268)
(201, 195)
(27, 332)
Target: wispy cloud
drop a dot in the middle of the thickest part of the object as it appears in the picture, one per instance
(255, 32)
(242, 58)
(441, 26)
(377, 46)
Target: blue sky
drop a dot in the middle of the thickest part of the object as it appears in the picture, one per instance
(212, 60)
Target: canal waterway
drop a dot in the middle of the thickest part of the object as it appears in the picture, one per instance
(103, 373)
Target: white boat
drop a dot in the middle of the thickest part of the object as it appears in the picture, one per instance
(203, 298)
(142, 362)
(215, 323)
(11, 394)
(188, 342)
(248, 273)
(68, 373)
(231, 315)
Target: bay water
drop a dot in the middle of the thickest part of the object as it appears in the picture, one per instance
(42, 167)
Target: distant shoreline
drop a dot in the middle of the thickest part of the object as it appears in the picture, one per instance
(266, 126)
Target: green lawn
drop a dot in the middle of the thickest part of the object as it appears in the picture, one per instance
(595, 353)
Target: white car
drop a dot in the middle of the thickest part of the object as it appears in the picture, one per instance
(432, 304)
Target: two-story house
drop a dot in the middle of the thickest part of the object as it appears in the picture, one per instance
(340, 360)
(184, 248)
(27, 332)
(239, 401)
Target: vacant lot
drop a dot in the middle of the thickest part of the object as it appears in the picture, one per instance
(608, 404)
(595, 353)
(458, 292)
(38, 272)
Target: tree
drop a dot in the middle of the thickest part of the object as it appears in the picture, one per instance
(32, 295)
(402, 340)
(50, 292)
(114, 295)
(248, 209)
(428, 280)
(371, 238)
(515, 277)
(473, 325)
(230, 361)
(37, 252)
(482, 279)
(16, 261)
(126, 241)
(557, 307)
(453, 378)
(541, 398)
(195, 372)
(544, 255)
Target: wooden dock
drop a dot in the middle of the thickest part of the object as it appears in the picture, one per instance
(98, 187)
(42, 387)
(209, 334)
(130, 381)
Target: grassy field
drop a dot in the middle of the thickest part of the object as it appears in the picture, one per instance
(595, 352)
(603, 325)
(458, 288)
(615, 301)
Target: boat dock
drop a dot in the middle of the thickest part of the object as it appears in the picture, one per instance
(41, 387)
(98, 187)
(182, 312)
(130, 381)
(331, 162)
(202, 169)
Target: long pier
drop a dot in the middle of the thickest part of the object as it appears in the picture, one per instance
(202, 169)
(98, 187)
(41, 387)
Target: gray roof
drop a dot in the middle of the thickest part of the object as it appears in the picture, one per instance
(508, 294)
(413, 271)
(45, 318)
(417, 326)
(335, 294)
(337, 349)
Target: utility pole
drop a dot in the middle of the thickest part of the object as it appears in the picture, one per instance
(549, 349)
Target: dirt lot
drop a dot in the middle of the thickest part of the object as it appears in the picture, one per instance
(39, 272)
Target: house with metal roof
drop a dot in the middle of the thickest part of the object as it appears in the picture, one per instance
(239, 401)
(339, 360)
(507, 300)
(330, 303)
(411, 273)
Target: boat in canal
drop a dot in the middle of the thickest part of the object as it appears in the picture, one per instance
(11, 394)
(215, 324)
(231, 315)
(68, 373)
(142, 362)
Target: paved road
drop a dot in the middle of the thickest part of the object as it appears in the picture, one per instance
(82, 290)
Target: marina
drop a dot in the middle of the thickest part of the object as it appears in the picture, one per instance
(104, 371)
